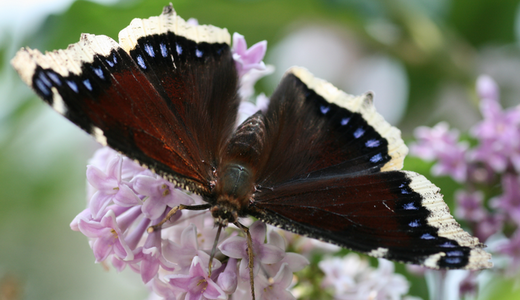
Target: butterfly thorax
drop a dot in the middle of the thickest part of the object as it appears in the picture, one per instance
(233, 190)
(236, 174)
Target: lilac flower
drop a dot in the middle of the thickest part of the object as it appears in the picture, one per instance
(441, 144)
(84, 215)
(193, 21)
(151, 256)
(110, 188)
(248, 59)
(107, 237)
(248, 81)
(509, 201)
(246, 108)
(236, 247)
(352, 278)
(183, 254)
(487, 88)
(489, 225)
(161, 290)
(388, 284)
(159, 194)
(293, 262)
(197, 283)
(228, 280)
(341, 273)
(275, 288)
(469, 286)
(512, 249)
(470, 205)
(499, 132)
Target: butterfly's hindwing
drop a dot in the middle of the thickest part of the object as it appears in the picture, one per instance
(397, 215)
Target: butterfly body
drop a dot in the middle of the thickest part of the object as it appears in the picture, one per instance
(317, 162)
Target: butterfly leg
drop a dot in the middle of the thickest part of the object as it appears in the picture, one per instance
(214, 249)
(251, 257)
(173, 211)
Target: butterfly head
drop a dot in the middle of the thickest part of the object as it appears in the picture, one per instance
(224, 214)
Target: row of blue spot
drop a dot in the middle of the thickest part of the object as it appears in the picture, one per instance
(148, 48)
(372, 143)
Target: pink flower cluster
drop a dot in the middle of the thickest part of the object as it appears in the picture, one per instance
(124, 199)
(493, 161)
(352, 278)
(441, 144)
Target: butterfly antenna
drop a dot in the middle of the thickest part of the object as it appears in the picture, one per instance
(251, 257)
(214, 249)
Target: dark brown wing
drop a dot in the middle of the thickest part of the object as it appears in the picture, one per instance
(314, 129)
(331, 172)
(396, 215)
(165, 96)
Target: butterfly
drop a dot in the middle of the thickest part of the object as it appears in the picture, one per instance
(319, 162)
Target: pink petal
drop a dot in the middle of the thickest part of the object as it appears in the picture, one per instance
(256, 53)
(91, 229)
(257, 230)
(295, 262)
(234, 246)
(197, 269)
(239, 43)
(114, 167)
(178, 197)
(98, 203)
(98, 179)
(193, 21)
(284, 277)
(109, 220)
(153, 210)
(84, 215)
(270, 254)
(487, 88)
(144, 185)
(180, 281)
(213, 291)
(228, 280)
(118, 264)
(274, 238)
(163, 289)
(149, 267)
(126, 197)
(122, 250)
(189, 237)
(101, 249)
(196, 295)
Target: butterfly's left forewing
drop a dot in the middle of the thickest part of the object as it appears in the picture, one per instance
(155, 97)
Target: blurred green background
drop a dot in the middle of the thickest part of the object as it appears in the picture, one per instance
(420, 57)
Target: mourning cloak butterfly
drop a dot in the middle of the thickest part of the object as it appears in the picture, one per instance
(319, 162)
